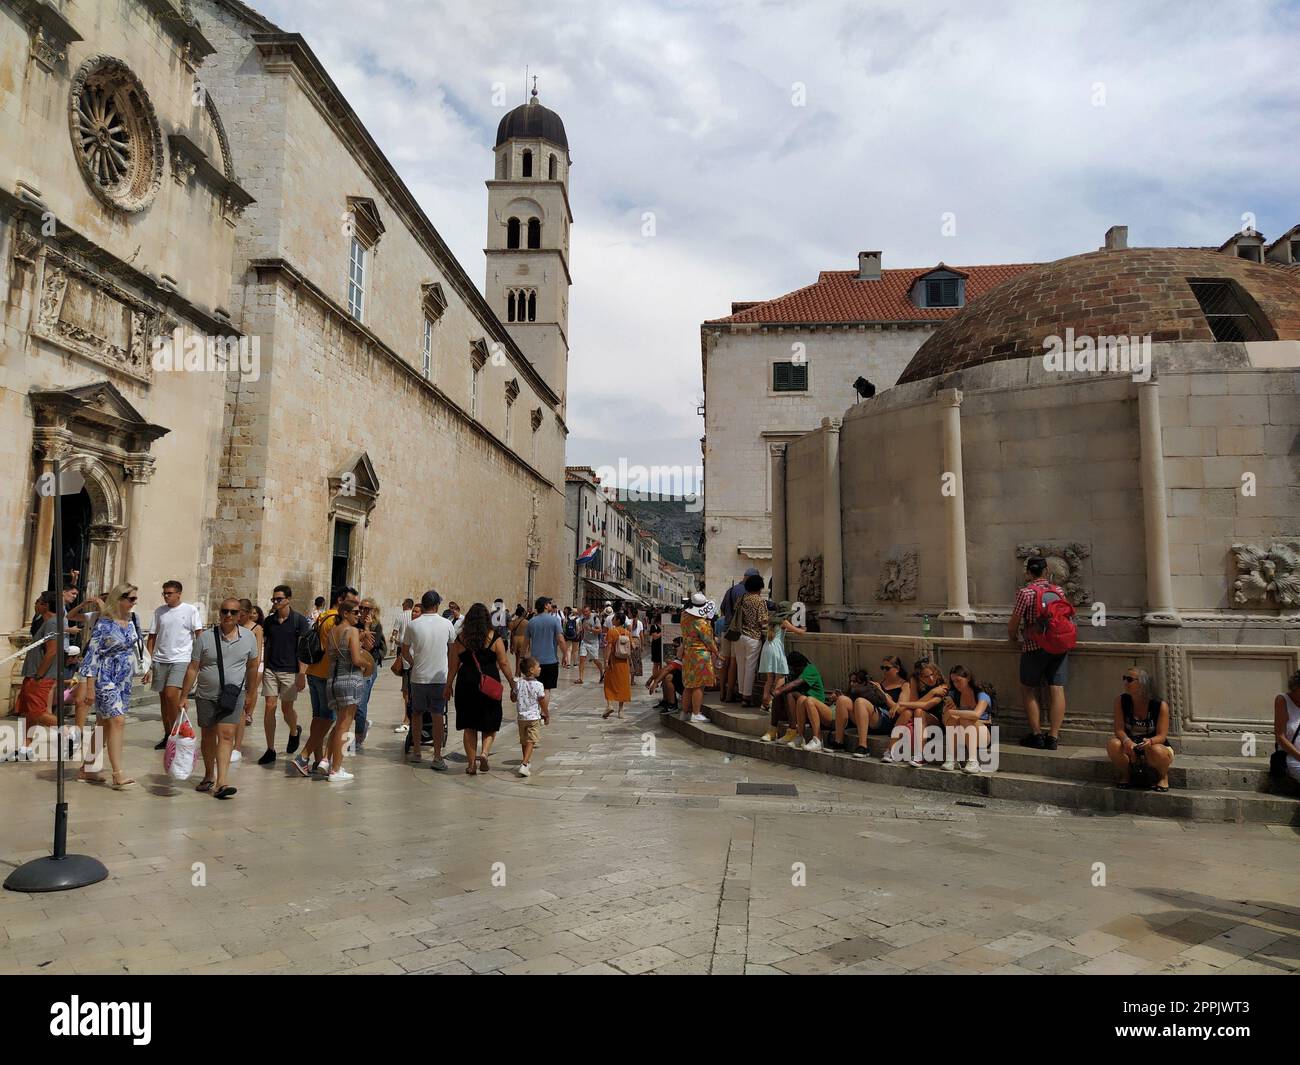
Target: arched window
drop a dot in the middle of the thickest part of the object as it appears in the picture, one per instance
(512, 233)
(534, 232)
(532, 305)
(510, 306)
(554, 168)
(528, 163)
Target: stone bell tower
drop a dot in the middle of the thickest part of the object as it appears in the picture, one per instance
(528, 238)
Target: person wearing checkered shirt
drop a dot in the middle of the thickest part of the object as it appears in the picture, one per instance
(1038, 667)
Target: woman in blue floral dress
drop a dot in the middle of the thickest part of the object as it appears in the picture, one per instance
(108, 666)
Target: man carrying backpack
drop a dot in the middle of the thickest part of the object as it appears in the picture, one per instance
(1042, 620)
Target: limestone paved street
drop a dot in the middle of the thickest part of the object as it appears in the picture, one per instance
(628, 851)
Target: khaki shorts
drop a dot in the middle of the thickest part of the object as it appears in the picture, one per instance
(282, 686)
(529, 732)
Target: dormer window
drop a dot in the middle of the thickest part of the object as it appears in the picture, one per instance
(942, 293)
(940, 287)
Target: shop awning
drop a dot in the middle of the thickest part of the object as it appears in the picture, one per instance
(611, 591)
(628, 595)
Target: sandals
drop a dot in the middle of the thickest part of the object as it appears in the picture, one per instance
(123, 785)
(606, 714)
(471, 769)
(204, 785)
(1160, 787)
(90, 778)
(225, 793)
(483, 766)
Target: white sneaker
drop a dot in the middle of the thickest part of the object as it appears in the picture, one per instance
(26, 754)
(798, 743)
(971, 766)
(949, 766)
(402, 728)
(236, 757)
(323, 766)
(813, 744)
(915, 760)
(699, 719)
(340, 776)
(523, 770)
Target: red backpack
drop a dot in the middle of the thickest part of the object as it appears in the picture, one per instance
(1056, 630)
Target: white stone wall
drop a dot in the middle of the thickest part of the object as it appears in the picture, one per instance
(743, 415)
(1051, 458)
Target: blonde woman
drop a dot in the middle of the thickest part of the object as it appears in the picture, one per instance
(107, 670)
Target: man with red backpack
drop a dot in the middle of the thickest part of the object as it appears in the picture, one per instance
(1042, 621)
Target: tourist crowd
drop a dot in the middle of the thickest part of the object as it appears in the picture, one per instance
(469, 660)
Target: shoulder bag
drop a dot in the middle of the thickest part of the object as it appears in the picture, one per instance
(1277, 760)
(228, 696)
(488, 687)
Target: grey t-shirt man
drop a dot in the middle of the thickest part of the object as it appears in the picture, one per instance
(236, 656)
(32, 660)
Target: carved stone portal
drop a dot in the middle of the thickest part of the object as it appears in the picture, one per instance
(810, 580)
(897, 582)
(1269, 575)
(1065, 566)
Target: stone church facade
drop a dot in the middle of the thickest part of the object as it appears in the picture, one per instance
(254, 355)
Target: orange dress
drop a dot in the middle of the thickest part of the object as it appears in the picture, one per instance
(618, 677)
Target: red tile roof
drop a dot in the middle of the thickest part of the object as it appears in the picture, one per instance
(838, 296)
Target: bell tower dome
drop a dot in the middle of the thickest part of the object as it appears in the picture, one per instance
(528, 237)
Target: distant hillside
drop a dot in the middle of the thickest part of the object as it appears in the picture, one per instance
(670, 522)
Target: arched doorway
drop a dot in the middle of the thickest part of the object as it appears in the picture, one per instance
(77, 515)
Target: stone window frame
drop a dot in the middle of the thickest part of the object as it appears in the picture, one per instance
(361, 223)
(772, 389)
(433, 302)
(478, 356)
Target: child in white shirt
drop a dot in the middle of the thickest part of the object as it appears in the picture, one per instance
(534, 708)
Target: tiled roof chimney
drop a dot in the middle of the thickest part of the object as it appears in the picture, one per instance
(1116, 238)
(868, 266)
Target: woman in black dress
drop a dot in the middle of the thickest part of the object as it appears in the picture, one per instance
(478, 654)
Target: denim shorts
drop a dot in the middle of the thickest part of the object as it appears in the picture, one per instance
(1038, 667)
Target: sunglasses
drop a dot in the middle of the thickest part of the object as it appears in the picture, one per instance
(281, 599)
(1130, 680)
(130, 598)
(230, 613)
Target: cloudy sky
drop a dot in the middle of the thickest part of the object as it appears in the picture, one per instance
(773, 140)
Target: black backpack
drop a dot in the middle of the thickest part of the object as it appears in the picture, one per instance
(311, 647)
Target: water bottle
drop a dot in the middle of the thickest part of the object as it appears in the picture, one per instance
(925, 625)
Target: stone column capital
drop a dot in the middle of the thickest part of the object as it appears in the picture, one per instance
(139, 470)
(948, 397)
(53, 442)
(832, 425)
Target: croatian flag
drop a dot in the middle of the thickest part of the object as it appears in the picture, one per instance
(589, 555)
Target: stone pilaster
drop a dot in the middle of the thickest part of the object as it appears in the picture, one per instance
(1161, 618)
(958, 619)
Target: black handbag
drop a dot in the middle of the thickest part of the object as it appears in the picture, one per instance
(1277, 760)
(228, 696)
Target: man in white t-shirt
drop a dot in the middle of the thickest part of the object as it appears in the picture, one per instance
(171, 644)
(425, 641)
